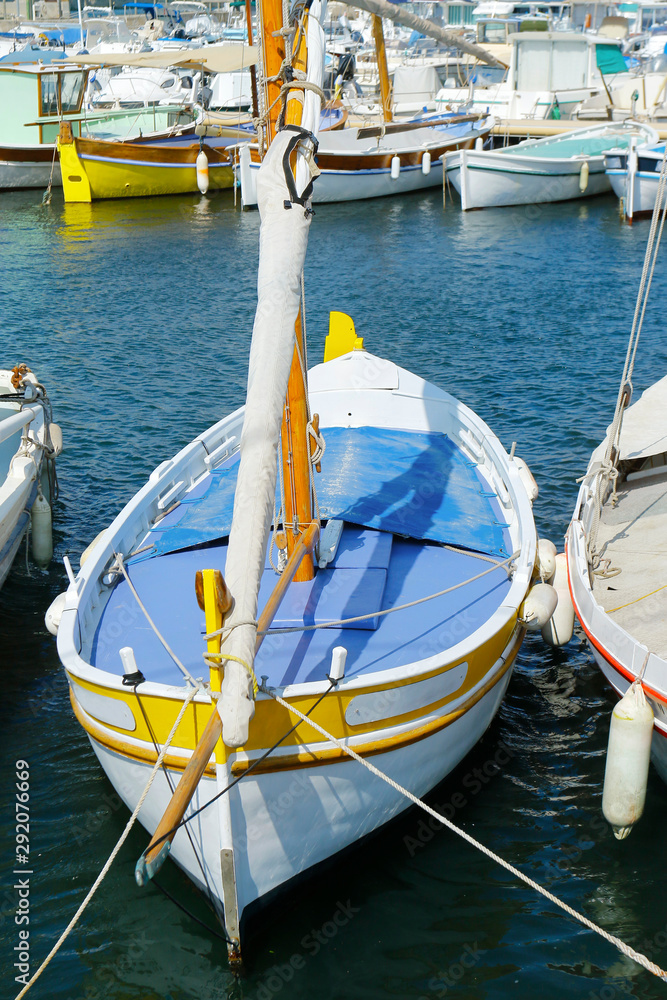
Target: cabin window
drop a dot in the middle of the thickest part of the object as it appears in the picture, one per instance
(71, 87)
(61, 93)
(534, 66)
(610, 59)
(49, 104)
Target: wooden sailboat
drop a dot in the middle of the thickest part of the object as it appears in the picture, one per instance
(390, 157)
(353, 540)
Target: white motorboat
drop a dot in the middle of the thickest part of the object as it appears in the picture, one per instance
(556, 168)
(634, 175)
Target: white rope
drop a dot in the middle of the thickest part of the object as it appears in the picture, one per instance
(608, 470)
(121, 840)
(387, 611)
(621, 945)
(184, 670)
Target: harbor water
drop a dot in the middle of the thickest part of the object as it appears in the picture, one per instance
(136, 315)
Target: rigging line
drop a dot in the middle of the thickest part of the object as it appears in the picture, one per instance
(505, 564)
(387, 611)
(617, 942)
(192, 916)
(184, 670)
(248, 770)
(172, 789)
(121, 840)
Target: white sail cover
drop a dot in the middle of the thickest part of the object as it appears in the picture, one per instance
(644, 427)
(282, 251)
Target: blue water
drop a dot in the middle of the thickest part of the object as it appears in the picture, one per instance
(137, 317)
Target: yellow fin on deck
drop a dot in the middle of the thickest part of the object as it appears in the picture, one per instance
(342, 337)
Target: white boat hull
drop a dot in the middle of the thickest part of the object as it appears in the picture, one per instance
(637, 195)
(488, 180)
(24, 173)
(338, 804)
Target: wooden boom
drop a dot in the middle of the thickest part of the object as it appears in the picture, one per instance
(153, 857)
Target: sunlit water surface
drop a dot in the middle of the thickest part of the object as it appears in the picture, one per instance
(137, 316)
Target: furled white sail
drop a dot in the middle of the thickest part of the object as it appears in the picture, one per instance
(282, 250)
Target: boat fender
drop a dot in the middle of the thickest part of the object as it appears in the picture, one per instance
(426, 163)
(54, 613)
(628, 756)
(558, 630)
(131, 673)
(479, 142)
(42, 535)
(545, 563)
(395, 167)
(583, 176)
(202, 171)
(56, 437)
(89, 548)
(527, 478)
(338, 658)
(538, 606)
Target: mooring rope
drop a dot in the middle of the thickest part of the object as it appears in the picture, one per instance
(121, 840)
(624, 948)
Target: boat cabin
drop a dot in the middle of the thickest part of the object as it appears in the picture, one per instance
(563, 61)
(31, 91)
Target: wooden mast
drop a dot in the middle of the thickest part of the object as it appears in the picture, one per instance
(383, 69)
(253, 69)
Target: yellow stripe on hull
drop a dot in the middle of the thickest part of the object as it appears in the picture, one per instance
(271, 720)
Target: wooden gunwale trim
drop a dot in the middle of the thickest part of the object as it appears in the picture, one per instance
(146, 755)
(27, 154)
(113, 150)
(342, 161)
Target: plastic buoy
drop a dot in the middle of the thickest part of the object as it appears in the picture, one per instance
(558, 630)
(56, 435)
(89, 548)
(202, 171)
(527, 478)
(546, 559)
(583, 176)
(338, 658)
(628, 757)
(538, 606)
(54, 613)
(426, 163)
(479, 142)
(42, 535)
(395, 167)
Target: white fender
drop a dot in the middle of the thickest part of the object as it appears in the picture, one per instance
(538, 606)
(558, 630)
(202, 171)
(583, 176)
(527, 479)
(56, 435)
(42, 535)
(628, 756)
(426, 163)
(545, 562)
(54, 613)
(395, 167)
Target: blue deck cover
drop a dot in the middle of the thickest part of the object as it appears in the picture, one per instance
(413, 484)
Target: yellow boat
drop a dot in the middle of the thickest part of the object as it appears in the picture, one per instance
(98, 168)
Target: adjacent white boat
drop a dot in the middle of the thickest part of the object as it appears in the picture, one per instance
(377, 160)
(28, 442)
(557, 168)
(634, 176)
(616, 551)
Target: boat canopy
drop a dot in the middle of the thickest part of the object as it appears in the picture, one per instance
(214, 58)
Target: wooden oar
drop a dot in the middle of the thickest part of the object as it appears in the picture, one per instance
(153, 857)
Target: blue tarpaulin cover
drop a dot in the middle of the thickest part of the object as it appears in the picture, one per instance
(413, 484)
